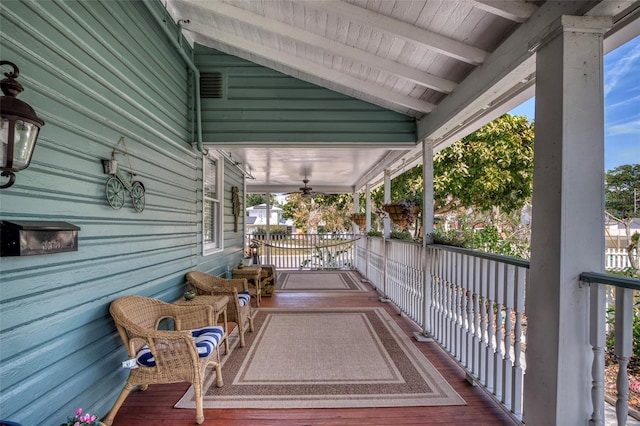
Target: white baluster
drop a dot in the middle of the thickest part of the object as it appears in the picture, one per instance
(486, 305)
(517, 378)
(597, 333)
(490, 349)
(498, 354)
(623, 349)
(507, 362)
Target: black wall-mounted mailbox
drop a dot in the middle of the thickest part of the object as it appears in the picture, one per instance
(28, 237)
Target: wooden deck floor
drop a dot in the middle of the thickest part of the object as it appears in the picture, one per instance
(155, 405)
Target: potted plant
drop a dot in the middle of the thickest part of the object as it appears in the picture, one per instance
(359, 219)
(82, 420)
(402, 213)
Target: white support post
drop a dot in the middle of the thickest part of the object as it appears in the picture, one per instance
(356, 209)
(427, 230)
(427, 192)
(267, 251)
(568, 220)
(387, 200)
(367, 207)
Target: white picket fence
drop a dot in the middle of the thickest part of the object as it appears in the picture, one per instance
(617, 259)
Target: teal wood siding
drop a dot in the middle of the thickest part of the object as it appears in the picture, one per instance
(96, 71)
(263, 105)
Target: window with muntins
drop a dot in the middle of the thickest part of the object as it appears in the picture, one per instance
(212, 204)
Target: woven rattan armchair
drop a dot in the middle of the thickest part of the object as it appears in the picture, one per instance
(175, 356)
(204, 283)
(268, 280)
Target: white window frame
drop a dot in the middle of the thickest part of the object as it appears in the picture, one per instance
(217, 245)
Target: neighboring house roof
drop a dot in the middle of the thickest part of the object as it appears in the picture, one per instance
(263, 207)
(611, 223)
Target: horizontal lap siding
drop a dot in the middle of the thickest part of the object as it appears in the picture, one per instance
(263, 105)
(95, 71)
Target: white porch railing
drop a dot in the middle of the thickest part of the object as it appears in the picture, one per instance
(306, 251)
(617, 259)
(472, 304)
(607, 315)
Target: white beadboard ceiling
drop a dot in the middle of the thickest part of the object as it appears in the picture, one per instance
(454, 65)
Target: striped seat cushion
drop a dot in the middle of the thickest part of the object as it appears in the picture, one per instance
(244, 297)
(206, 340)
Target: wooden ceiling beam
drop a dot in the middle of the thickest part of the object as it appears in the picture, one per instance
(333, 47)
(516, 11)
(430, 40)
(510, 66)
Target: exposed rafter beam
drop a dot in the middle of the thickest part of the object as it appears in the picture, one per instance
(333, 47)
(308, 67)
(508, 66)
(433, 41)
(516, 11)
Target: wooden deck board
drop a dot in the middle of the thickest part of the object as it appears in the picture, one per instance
(155, 405)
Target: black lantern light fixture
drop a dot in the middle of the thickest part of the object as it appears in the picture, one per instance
(18, 129)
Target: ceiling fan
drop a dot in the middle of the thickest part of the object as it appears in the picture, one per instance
(305, 191)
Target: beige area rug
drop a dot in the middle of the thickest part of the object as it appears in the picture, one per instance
(326, 358)
(320, 281)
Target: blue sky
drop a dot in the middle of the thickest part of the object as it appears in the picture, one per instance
(621, 103)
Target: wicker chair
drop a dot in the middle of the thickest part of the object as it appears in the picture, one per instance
(268, 280)
(205, 283)
(175, 355)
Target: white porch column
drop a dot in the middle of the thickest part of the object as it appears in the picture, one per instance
(427, 191)
(387, 200)
(356, 209)
(427, 228)
(267, 249)
(568, 220)
(367, 207)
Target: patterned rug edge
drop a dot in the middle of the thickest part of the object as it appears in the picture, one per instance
(351, 278)
(450, 396)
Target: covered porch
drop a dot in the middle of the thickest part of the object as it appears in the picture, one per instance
(157, 402)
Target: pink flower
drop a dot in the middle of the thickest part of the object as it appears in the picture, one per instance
(79, 412)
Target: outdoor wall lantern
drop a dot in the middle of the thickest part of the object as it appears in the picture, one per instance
(19, 127)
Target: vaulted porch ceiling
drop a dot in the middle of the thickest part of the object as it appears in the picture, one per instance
(453, 65)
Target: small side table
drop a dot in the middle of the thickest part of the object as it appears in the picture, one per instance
(252, 275)
(219, 304)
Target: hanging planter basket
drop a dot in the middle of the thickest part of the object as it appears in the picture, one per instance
(402, 214)
(359, 219)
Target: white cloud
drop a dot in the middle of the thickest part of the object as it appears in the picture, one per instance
(624, 102)
(625, 66)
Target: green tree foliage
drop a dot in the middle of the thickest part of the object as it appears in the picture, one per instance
(492, 167)
(407, 186)
(622, 199)
(257, 199)
(333, 212)
(491, 170)
(620, 184)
